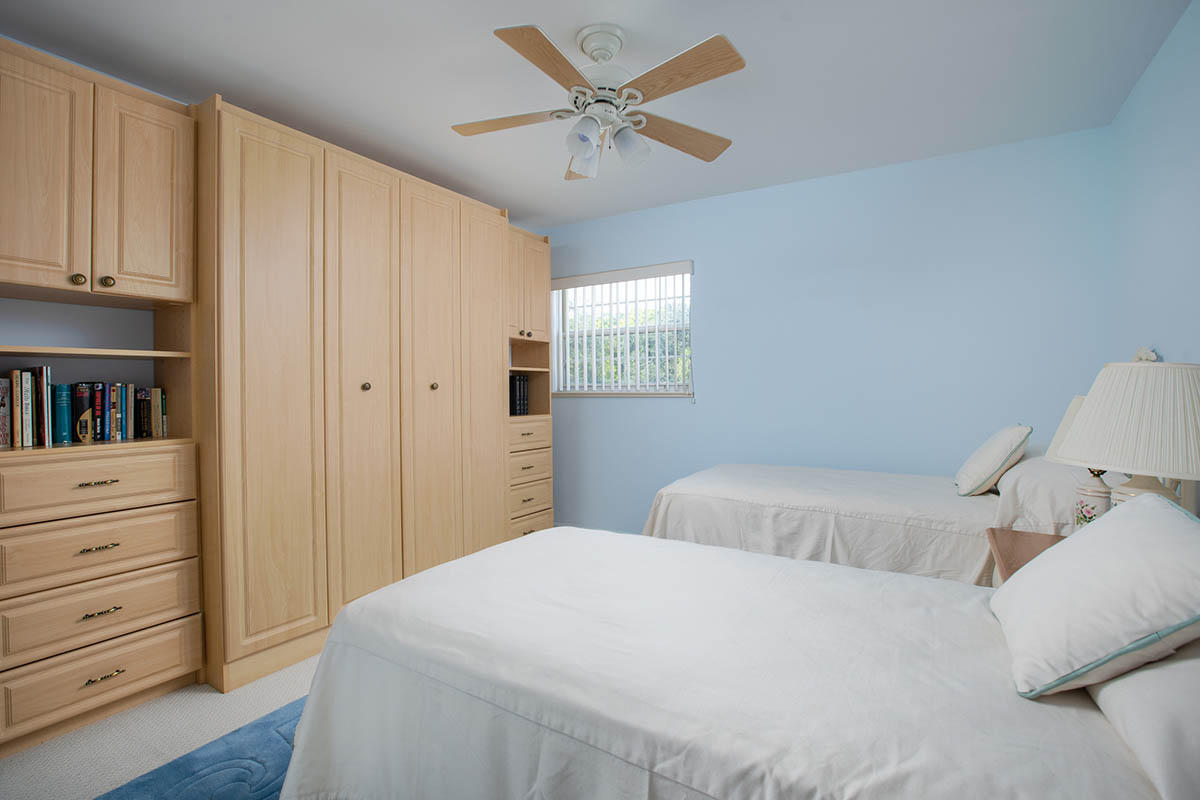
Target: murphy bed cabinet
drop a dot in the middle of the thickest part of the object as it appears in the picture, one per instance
(352, 384)
(99, 570)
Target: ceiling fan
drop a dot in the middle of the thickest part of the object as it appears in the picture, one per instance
(606, 100)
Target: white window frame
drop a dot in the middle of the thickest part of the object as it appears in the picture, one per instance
(558, 313)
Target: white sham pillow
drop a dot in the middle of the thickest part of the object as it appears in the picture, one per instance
(1156, 709)
(985, 466)
(1039, 495)
(1121, 592)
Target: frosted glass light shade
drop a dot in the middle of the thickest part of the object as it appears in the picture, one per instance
(631, 146)
(584, 137)
(1139, 417)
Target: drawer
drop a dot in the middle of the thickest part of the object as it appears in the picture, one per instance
(49, 554)
(53, 484)
(530, 497)
(52, 690)
(530, 524)
(529, 434)
(45, 624)
(532, 465)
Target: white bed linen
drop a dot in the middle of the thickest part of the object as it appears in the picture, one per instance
(580, 665)
(916, 524)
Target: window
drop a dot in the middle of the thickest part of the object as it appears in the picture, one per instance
(625, 332)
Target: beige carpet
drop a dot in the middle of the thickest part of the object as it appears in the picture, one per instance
(94, 759)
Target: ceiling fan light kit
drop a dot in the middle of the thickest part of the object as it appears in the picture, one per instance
(605, 99)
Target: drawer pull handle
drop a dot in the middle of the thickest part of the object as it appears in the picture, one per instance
(527, 433)
(529, 499)
(531, 530)
(112, 674)
(102, 613)
(85, 484)
(528, 466)
(99, 547)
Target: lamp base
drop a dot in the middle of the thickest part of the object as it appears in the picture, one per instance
(1092, 498)
(1142, 484)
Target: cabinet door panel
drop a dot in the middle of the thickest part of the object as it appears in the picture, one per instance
(144, 198)
(431, 396)
(514, 287)
(272, 379)
(484, 381)
(537, 290)
(45, 175)
(362, 302)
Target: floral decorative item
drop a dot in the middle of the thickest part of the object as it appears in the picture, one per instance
(1146, 354)
(1093, 498)
(1085, 512)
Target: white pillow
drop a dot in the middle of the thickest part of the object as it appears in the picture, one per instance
(1156, 709)
(1121, 592)
(985, 466)
(1039, 495)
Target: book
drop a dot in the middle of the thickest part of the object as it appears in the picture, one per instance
(156, 412)
(106, 412)
(81, 412)
(47, 407)
(129, 398)
(163, 410)
(27, 437)
(97, 412)
(5, 412)
(62, 414)
(114, 412)
(17, 439)
(142, 414)
(38, 407)
(122, 390)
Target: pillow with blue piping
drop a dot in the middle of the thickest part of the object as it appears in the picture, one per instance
(1121, 592)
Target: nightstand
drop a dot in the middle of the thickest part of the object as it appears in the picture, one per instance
(1014, 549)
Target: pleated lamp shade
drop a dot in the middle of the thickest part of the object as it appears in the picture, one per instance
(1140, 417)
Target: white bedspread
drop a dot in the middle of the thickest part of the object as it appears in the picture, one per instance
(574, 664)
(915, 524)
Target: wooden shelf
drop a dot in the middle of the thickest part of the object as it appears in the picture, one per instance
(528, 369)
(9, 452)
(88, 352)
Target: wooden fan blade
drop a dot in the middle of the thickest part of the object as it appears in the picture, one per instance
(502, 123)
(531, 42)
(693, 141)
(712, 58)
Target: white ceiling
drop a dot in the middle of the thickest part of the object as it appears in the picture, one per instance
(831, 85)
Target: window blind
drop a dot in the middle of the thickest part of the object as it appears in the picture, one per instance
(624, 332)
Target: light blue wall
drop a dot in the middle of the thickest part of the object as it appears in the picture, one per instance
(1157, 145)
(888, 319)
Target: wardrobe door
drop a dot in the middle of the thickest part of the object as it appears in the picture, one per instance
(271, 380)
(362, 396)
(144, 199)
(45, 176)
(514, 285)
(484, 378)
(536, 277)
(430, 393)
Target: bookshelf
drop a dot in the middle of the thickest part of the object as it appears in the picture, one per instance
(532, 359)
(87, 352)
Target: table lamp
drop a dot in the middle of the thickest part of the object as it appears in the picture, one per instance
(1140, 418)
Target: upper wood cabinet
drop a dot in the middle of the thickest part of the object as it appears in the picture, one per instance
(45, 176)
(362, 392)
(527, 286)
(269, 378)
(144, 199)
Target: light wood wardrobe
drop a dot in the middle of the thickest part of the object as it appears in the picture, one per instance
(352, 390)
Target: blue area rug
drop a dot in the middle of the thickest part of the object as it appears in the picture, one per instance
(246, 764)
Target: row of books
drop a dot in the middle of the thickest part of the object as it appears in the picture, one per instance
(518, 395)
(35, 412)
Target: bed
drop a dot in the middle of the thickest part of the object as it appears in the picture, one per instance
(581, 664)
(917, 524)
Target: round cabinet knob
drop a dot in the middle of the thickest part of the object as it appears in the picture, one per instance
(522, 333)
(433, 386)
(366, 387)
(79, 279)
(529, 334)
(108, 281)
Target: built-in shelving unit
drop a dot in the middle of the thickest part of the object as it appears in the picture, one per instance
(130, 444)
